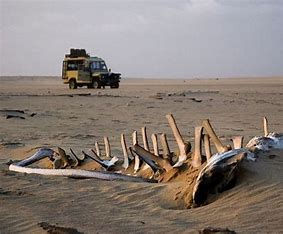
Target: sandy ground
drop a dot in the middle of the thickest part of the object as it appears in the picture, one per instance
(56, 116)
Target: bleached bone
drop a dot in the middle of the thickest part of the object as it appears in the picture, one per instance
(207, 147)
(135, 137)
(104, 163)
(271, 141)
(196, 159)
(97, 149)
(217, 174)
(74, 173)
(237, 142)
(152, 164)
(40, 154)
(265, 126)
(132, 155)
(79, 158)
(219, 146)
(136, 158)
(107, 147)
(125, 152)
(75, 160)
(137, 161)
(144, 138)
(155, 144)
(179, 139)
(96, 158)
(143, 153)
(165, 146)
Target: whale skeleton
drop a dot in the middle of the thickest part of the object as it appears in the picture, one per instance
(216, 172)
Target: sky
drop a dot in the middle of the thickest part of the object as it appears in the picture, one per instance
(145, 38)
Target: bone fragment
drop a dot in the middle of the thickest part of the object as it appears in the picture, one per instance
(144, 138)
(265, 126)
(107, 147)
(196, 159)
(179, 140)
(238, 142)
(207, 147)
(165, 146)
(219, 146)
(125, 152)
(155, 144)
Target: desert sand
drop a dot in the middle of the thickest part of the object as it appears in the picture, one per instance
(52, 115)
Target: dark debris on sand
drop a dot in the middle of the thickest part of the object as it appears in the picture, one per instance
(53, 229)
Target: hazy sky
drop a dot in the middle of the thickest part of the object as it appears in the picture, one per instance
(145, 38)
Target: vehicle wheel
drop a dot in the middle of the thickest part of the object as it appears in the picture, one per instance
(96, 84)
(73, 84)
(115, 86)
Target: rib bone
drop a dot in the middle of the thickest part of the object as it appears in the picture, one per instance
(137, 161)
(219, 146)
(165, 146)
(135, 137)
(146, 154)
(125, 152)
(144, 138)
(155, 144)
(207, 146)
(196, 160)
(238, 142)
(179, 140)
(147, 157)
(97, 149)
(265, 126)
(107, 147)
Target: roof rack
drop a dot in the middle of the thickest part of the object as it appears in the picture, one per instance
(75, 53)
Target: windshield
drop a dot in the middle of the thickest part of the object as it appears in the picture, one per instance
(98, 66)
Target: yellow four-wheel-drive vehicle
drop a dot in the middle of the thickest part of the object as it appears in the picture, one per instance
(79, 69)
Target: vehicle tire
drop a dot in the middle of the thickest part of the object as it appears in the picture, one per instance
(96, 84)
(115, 86)
(73, 84)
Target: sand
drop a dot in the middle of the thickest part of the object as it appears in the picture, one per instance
(52, 115)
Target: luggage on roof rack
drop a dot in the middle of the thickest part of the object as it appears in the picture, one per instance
(74, 53)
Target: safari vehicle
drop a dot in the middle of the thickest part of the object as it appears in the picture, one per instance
(79, 69)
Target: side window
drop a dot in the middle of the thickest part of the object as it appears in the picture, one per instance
(95, 66)
(72, 66)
